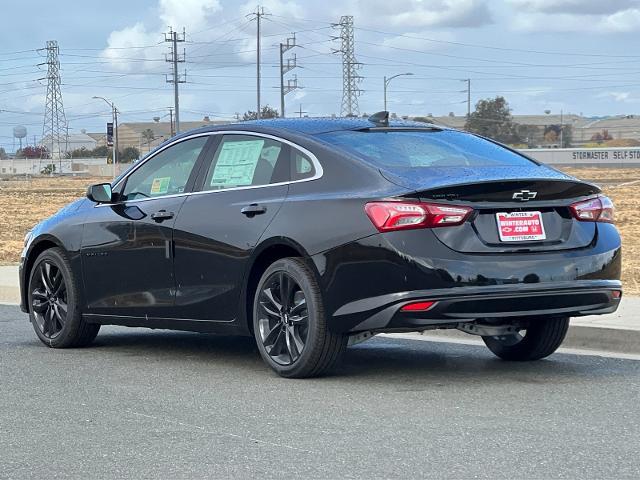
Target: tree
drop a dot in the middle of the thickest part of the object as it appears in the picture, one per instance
(527, 134)
(492, 118)
(32, 152)
(48, 169)
(148, 135)
(551, 136)
(3, 154)
(266, 112)
(101, 151)
(129, 154)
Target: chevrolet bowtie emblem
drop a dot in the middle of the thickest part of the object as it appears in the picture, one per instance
(525, 195)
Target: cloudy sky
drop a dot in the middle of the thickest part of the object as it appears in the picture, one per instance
(581, 56)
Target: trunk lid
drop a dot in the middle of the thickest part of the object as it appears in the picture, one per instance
(491, 192)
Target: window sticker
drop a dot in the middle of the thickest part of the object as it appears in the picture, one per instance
(236, 163)
(160, 185)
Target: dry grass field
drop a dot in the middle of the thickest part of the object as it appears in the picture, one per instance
(24, 203)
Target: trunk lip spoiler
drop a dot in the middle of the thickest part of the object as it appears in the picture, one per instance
(389, 176)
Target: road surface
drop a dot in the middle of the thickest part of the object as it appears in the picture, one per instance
(160, 404)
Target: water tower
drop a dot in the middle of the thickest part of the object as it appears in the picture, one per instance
(19, 132)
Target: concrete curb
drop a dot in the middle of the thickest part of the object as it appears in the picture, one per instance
(618, 340)
(9, 295)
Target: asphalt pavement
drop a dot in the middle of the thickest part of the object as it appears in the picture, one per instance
(160, 404)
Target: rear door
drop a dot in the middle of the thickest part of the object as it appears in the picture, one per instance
(239, 193)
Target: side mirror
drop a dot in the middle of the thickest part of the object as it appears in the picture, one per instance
(100, 193)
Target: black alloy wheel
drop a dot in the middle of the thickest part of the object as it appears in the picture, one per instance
(540, 339)
(289, 322)
(283, 318)
(53, 300)
(49, 299)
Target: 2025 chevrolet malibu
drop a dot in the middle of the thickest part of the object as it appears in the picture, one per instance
(311, 234)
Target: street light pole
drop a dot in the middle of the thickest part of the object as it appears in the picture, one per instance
(114, 114)
(386, 84)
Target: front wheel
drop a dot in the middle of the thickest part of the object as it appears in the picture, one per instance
(540, 339)
(54, 303)
(289, 322)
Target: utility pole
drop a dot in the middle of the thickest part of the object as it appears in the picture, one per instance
(561, 128)
(284, 68)
(257, 15)
(114, 114)
(468, 90)
(171, 121)
(300, 112)
(350, 67)
(386, 84)
(174, 58)
(55, 122)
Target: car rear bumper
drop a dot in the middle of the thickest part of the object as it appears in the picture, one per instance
(590, 297)
(365, 282)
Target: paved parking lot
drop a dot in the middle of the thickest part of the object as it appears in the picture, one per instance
(158, 404)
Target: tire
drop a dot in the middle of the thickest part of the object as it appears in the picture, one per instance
(52, 288)
(280, 326)
(542, 338)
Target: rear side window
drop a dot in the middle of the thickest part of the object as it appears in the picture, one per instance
(246, 160)
(424, 149)
(301, 166)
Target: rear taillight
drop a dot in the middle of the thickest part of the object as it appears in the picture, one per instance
(599, 209)
(390, 215)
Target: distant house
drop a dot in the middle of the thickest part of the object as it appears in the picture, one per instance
(534, 128)
(145, 136)
(74, 141)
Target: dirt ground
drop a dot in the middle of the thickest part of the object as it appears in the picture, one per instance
(24, 203)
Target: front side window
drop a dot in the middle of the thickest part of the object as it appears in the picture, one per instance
(246, 160)
(166, 173)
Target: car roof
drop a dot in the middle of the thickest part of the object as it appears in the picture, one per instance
(311, 126)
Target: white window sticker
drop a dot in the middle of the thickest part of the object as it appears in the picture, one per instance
(236, 163)
(160, 186)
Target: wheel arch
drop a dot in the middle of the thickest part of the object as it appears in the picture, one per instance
(264, 255)
(39, 245)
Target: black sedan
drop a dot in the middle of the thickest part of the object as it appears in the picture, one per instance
(314, 234)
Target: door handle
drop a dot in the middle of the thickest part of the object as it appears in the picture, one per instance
(161, 216)
(253, 209)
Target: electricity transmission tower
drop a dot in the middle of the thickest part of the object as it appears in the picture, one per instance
(55, 129)
(350, 67)
(292, 84)
(174, 58)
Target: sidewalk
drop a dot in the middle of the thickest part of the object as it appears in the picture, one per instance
(618, 332)
(9, 289)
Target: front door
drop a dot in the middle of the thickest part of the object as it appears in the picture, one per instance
(127, 254)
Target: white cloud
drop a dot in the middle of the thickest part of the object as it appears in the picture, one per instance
(623, 97)
(418, 13)
(191, 14)
(613, 16)
(415, 41)
(187, 13)
(576, 7)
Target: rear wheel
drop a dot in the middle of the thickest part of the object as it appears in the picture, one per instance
(53, 303)
(541, 338)
(289, 322)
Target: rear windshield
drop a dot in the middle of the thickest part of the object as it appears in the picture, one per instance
(407, 149)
